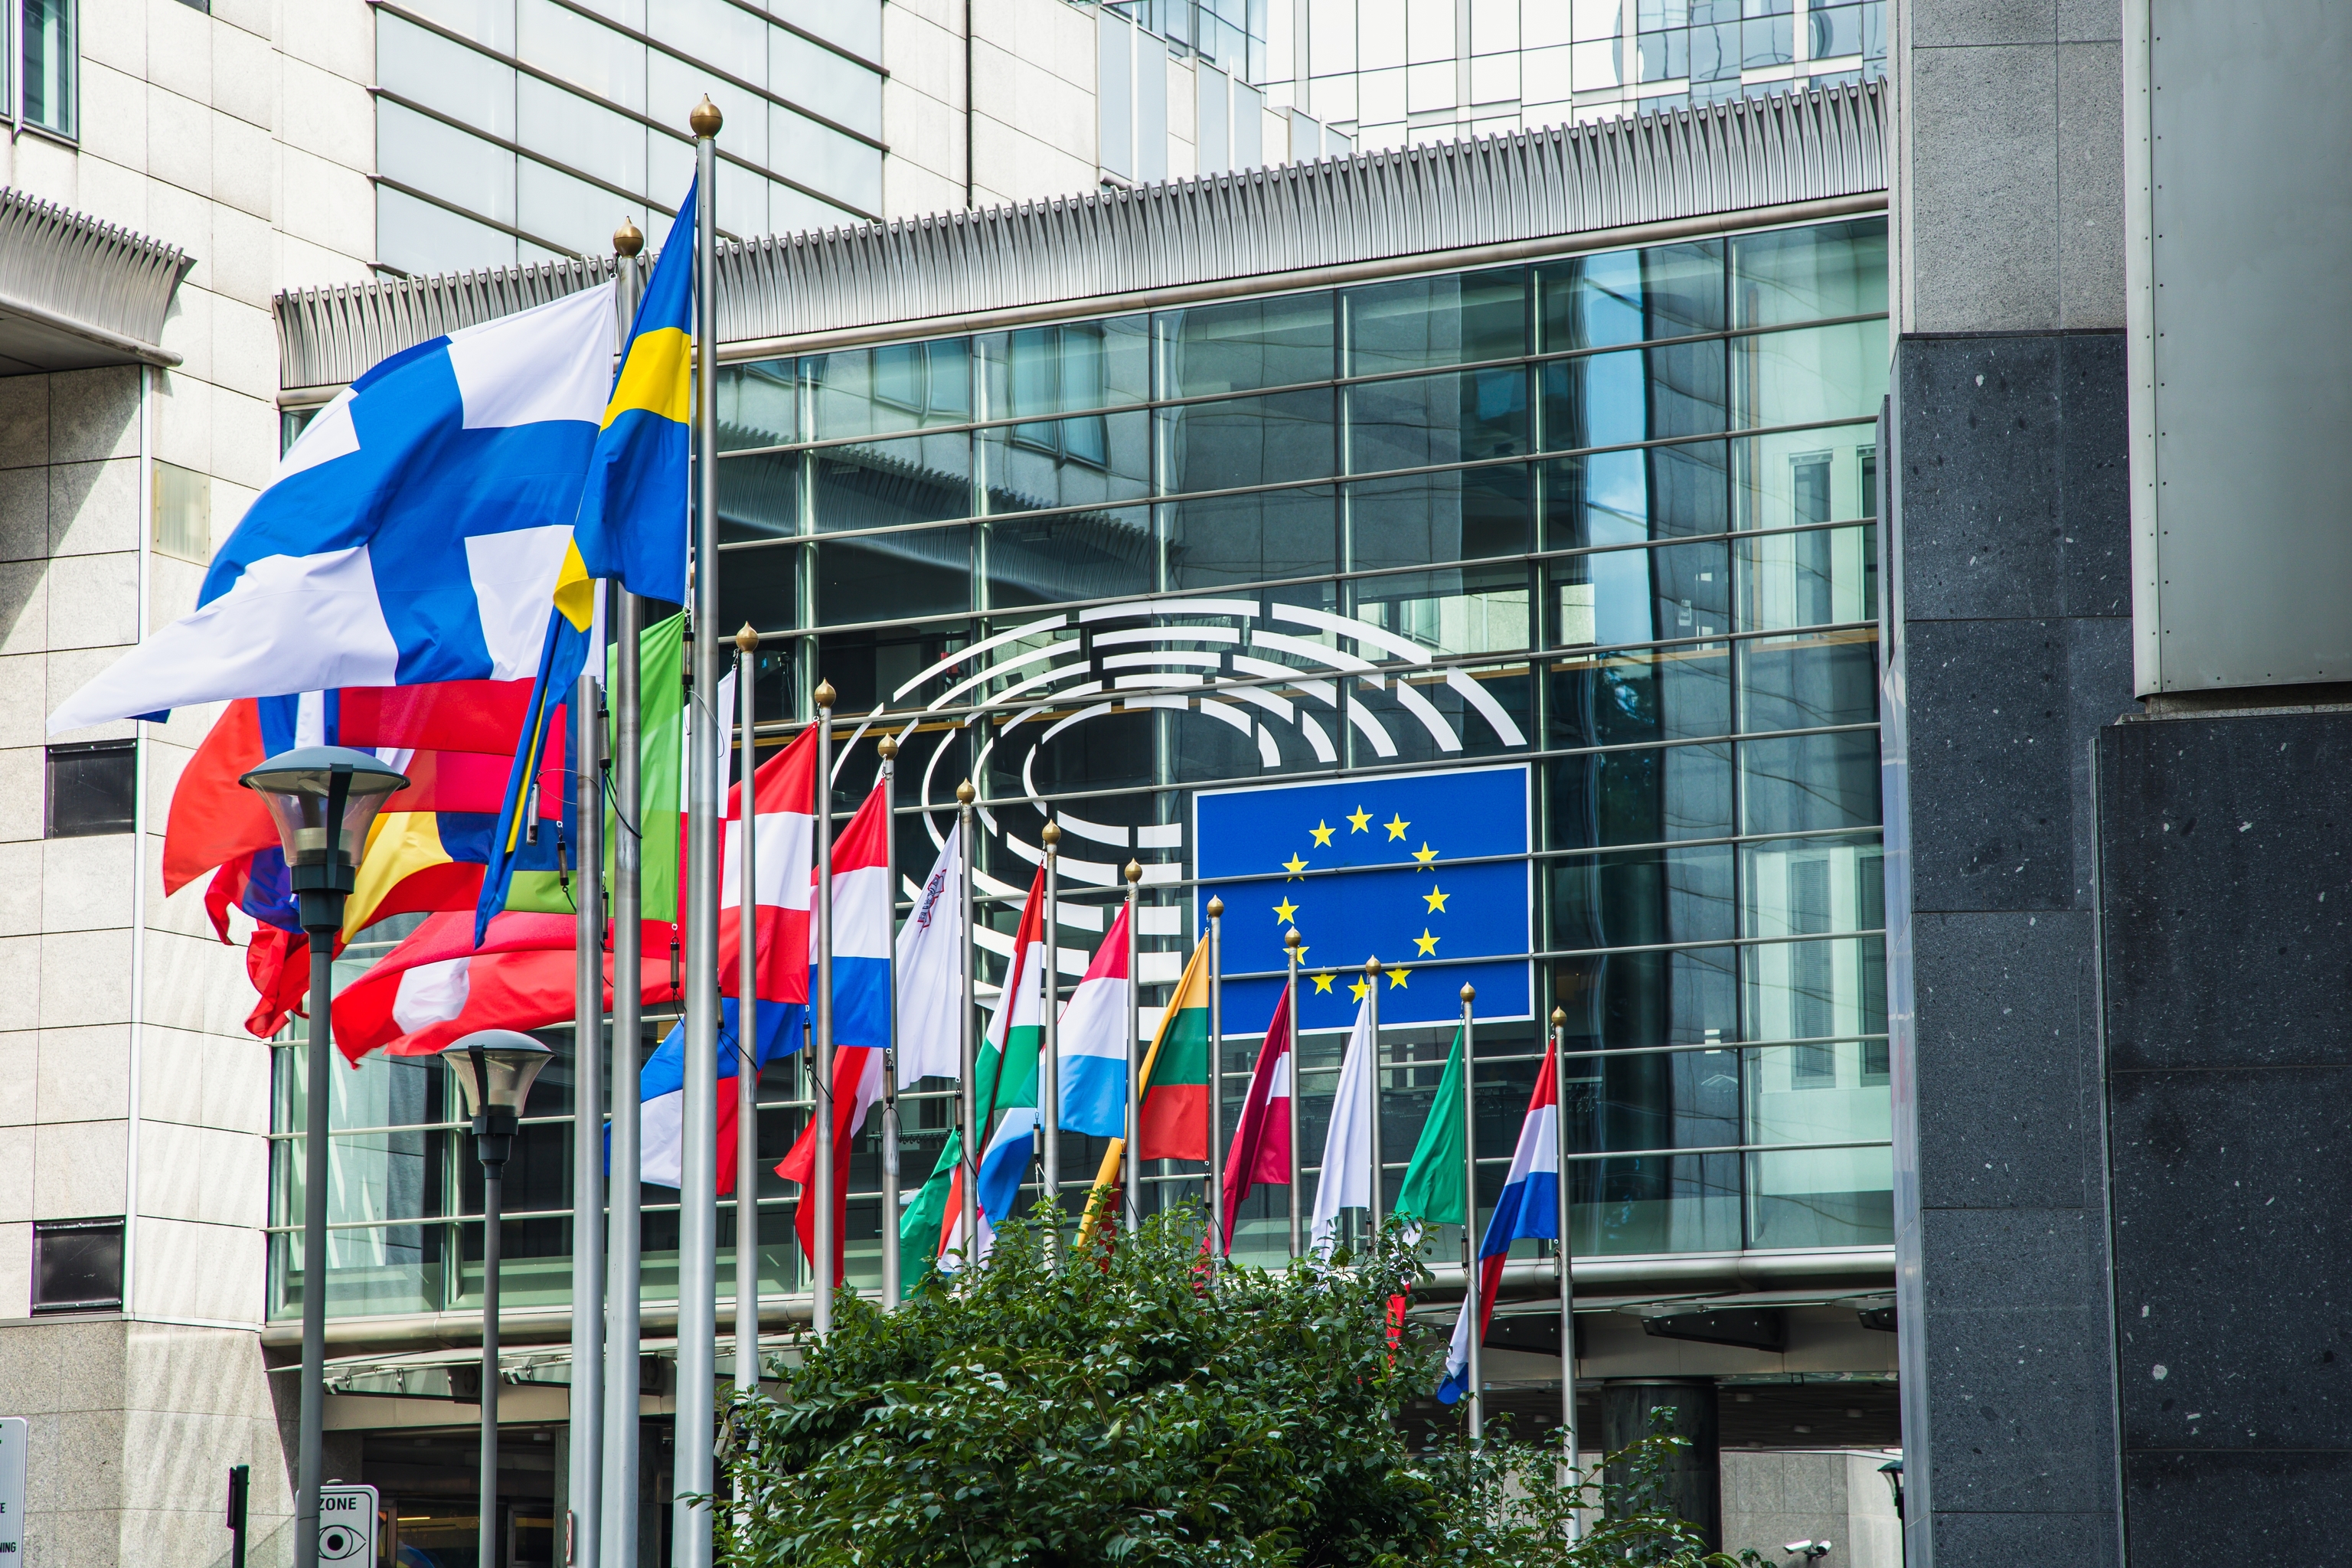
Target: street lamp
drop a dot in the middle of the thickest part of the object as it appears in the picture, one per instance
(323, 800)
(494, 1068)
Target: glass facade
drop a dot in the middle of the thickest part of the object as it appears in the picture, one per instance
(1610, 518)
(518, 130)
(1395, 72)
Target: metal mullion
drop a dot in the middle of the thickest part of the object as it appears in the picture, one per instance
(1735, 1149)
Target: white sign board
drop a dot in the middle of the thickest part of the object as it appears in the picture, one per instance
(12, 1435)
(347, 1526)
(13, 1431)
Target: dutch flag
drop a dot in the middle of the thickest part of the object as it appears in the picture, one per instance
(1529, 1207)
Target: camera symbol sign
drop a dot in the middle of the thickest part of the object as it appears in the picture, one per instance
(347, 1525)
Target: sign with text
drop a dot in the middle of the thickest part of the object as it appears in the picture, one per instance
(347, 1526)
(13, 1431)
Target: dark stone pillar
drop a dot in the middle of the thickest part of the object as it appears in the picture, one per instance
(1695, 1484)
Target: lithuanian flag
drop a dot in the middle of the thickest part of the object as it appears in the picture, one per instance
(1172, 1122)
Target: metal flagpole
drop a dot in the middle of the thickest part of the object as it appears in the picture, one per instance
(1290, 990)
(821, 1104)
(1049, 1077)
(587, 1393)
(1134, 1171)
(1569, 1455)
(747, 1032)
(1218, 1241)
(889, 750)
(619, 1521)
(697, 1227)
(1372, 1197)
(1470, 1217)
(968, 1046)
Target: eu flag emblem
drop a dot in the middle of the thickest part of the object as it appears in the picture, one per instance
(1413, 869)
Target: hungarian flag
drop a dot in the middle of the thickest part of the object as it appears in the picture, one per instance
(1172, 1122)
(1261, 1146)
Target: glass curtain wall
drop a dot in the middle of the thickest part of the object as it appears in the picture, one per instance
(1611, 517)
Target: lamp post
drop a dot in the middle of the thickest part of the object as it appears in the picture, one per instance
(494, 1068)
(323, 800)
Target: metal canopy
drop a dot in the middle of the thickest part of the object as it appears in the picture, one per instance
(76, 292)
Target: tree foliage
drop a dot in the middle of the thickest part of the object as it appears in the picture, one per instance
(1124, 1409)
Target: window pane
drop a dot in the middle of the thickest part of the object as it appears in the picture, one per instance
(1666, 694)
(762, 587)
(816, 79)
(1812, 888)
(760, 497)
(1427, 420)
(76, 1264)
(868, 668)
(1767, 41)
(1803, 683)
(1640, 395)
(758, 404)
(92, 788)
(826, 161)
(1250, 538)
(1455, 516)
(571, 131)
(1071, 368)
(1085, 461)
(1615, 596)
(1808, 273)
(1090, 555)
(923, 479)
(1631, 296)
(1798, 476)
(1429, 321)
(1821, 576)
(901, 386)
(1811, 374)
(1806, 783)
(1649, 796)
(441, 160)
(582, 52)
(1472, 610)
(1252, 343)
(49, 53)
(896, 576)
(1249, 441)
(1664, 1203)
(1620, 497)
(1639, 897)
(1615, 1000)
(428, 68)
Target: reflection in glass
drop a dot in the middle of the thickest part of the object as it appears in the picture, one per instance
(760, 497)
(758, 404)
(1798, 476)
(898, 387)
(1666, 694)
(1624, 498)
(1809, 683)
(1614, 596)
(1250, 538)
(885, 484)
(1472, 610)
(1646, 796)
(1460, 515)
(894, 576)
(1635, 394)
(1808, 375)
(1819, 577)
(1070, 367)
(1245, 345)
(1641, 896)
(1420, 421)
(1067, 462)
(1803, 783)
(1427, 322)
(1822, 271)
(870, 667)
(1631, 296)
(1249, 441)
(760, 585)
(1083, 555)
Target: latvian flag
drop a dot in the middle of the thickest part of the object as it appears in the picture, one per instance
(1529, 1207)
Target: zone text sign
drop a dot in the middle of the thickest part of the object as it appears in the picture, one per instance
(12, 1430)
(347, 1526)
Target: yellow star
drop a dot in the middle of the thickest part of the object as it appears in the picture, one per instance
(1357, 988)
(1396, 977)
(1286, 911)
(1323, 981)
(1302, 953)
(1426, 942)
(1424, 854)
(1435, 899)
(1294, 866)
(1396, 826)
(1360, 818)
(1322, 831)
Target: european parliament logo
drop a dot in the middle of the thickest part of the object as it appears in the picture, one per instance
(1417, 869)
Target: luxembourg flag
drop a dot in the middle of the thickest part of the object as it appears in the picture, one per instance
(1529, 1207)
(1094, 1043)
(861, 1014)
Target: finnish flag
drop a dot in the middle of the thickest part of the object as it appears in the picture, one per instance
(412, 535)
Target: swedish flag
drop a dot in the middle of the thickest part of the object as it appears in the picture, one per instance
(1425, 871)
(632, 524)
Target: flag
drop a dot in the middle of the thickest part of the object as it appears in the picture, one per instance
(631, 525)
(661, 752)
(214, 819)
(1348, 1146)
(932, 952)
(1261, 1147)
(925, 1216)
(661, 1086)
(412, 534)
(1432, 1194)
(1529, 1207)
(1008, 1068)
(1412, 867)
(783, 824)
(862, 909)
(1172, 1124)
(439, 983)
(1094, 1043)
(564, 652)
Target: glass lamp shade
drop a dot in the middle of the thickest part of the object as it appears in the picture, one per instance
(495, 1068)
(298, 789)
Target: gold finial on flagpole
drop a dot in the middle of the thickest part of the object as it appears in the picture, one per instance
(706, 119)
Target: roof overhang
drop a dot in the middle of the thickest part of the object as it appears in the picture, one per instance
(1742, 164)
(76, 292)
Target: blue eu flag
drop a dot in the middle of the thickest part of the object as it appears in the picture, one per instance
(1394, 867)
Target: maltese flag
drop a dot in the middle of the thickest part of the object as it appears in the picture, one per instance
(412, 535)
